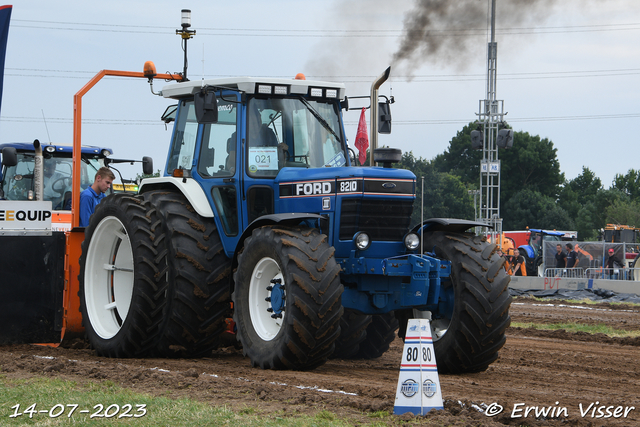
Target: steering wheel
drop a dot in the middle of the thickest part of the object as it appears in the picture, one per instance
(59, 188)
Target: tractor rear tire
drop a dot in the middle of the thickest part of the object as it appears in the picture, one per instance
(470, 330)
(380, 334)
(364, 336)
(122, 277)
(292, 272)
(353, 331)
(198, 278)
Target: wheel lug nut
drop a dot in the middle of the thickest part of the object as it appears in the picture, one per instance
(269, 288)
(268, 299)
(270, 310)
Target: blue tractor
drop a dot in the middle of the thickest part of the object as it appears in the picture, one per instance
(263, 216)
(533, 253)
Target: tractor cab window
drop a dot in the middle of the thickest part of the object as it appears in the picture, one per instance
(536, 241)
(218, 149)
(57, 177)
(293, 132)
(184, 138)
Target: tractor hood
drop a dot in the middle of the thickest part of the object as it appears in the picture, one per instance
(327, 182)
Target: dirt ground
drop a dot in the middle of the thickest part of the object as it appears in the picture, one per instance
(572, 373)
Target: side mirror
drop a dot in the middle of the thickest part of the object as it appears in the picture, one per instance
(169, 114)
(345, 104)
(9, 156)
(384, 117)
(147, 165)
(206, 106)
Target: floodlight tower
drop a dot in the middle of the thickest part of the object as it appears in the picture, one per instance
(491, 116)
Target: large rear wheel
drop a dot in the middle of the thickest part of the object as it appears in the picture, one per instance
(198, 278)
(353, 331)
(122, 277)
(287, 298)
(469, 328)
(364, 336)
(380, 334)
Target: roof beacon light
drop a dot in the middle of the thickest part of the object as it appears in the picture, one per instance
(300, 76)
(149, 69)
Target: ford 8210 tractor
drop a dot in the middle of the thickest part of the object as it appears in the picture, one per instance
(262, 216)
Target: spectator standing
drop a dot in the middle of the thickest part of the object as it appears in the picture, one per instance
(90, 197)
(572, 257)
(613, 262)
(561, 259)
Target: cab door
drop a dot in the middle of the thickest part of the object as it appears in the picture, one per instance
(218, 165)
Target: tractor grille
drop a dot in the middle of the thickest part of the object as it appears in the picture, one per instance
(386, 220)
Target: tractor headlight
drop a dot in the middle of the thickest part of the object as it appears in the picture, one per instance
(362, 240)
(411, 241)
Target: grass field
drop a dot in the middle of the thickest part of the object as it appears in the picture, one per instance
(60, 402)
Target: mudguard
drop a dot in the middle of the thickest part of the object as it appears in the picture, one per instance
(448, 224)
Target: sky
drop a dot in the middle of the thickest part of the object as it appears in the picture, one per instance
(567, 70)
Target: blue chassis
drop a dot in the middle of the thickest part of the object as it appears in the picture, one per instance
(380, 285)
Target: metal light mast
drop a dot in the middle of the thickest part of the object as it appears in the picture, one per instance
(491, 115)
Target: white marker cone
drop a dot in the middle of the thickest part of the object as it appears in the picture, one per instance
(418, 383)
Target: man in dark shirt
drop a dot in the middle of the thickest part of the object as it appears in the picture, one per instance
(613, 262)
(572, 258)
(561, 259)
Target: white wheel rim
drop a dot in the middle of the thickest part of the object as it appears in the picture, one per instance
(108, 277)
(263, 273)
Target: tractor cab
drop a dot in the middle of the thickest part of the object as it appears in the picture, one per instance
(258, 147)
(533, 252)
(17, 180)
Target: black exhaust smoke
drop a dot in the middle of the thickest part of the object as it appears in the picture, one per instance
(441, 31)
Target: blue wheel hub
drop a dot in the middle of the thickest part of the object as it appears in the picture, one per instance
(277, 298)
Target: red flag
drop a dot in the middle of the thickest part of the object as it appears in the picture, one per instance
(362, 139)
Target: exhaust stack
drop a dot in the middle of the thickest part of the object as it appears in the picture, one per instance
(38, 171)
(373, 138)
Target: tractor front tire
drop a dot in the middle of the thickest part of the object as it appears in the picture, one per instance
(470, 328)
(122, 277)
(287, 298)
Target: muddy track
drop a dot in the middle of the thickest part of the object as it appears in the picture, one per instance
(535, 370)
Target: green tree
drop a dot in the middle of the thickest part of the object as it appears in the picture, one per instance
(531, 164)
(624, 213)
(628, 184)
(460, 159)
(445, 195)
(533, 209)
(579, 198)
